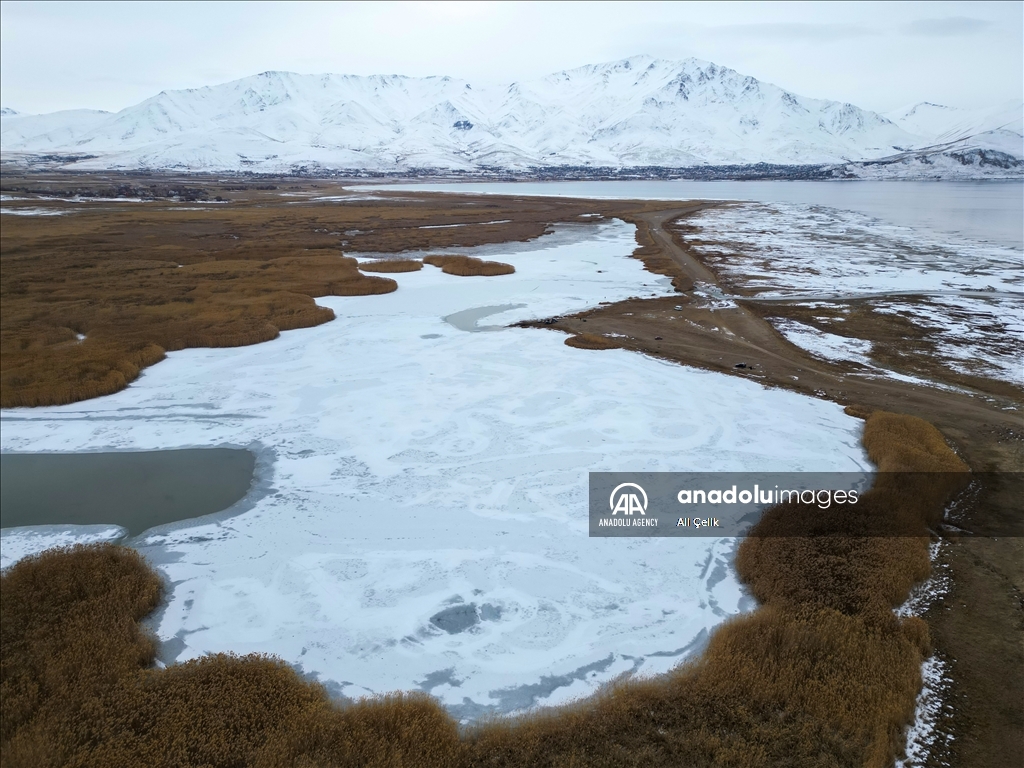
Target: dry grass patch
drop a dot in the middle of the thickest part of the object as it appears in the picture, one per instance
(866, 560)
(858, 411)
(900, 443)
(69, 639)
(132, 313)
(389, 731)
(391, 265)
(468, 266)
(590, 341)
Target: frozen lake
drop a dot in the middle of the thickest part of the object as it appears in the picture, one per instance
(989, 211)
(419, 514)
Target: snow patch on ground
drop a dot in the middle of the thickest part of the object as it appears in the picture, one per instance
(974, 335)
(17, 543)
(924, 740)
(710, 297)
(825, 345)
(468, 224)
(34, 211)
(788, 250)
(922, 737)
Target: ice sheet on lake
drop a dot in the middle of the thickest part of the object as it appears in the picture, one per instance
(420, 468)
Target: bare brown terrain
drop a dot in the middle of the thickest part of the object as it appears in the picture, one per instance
(109, 271)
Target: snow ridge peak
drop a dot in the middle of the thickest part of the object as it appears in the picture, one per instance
(636, 111)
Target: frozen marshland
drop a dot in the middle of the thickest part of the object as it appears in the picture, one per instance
(967, 294)
(418, 518)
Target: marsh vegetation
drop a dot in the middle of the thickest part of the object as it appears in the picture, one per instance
(468, 266)
(101, 291)
(391, 265)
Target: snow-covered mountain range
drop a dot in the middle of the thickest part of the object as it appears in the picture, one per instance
(636, 112)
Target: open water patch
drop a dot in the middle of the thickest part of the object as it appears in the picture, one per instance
(467, 319)
(135, 490)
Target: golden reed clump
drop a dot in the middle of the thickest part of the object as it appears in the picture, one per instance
(69, 638)
(822, 673)
(391, 265)
(590, 341)
(78, 687)
(468, 266)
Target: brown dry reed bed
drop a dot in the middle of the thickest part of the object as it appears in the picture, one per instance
(590, 341)
(138, 312)
(391, 265)
(141, 279)
(821, 674)
(468, 266)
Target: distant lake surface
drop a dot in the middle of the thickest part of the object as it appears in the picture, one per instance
(991, 211)
(135, 490)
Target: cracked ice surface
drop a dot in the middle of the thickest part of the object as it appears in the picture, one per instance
(415, 467)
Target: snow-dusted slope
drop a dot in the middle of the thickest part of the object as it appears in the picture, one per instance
(635, 112)
(941, 124)
(957, 143)
(926, 118)
(57, 130)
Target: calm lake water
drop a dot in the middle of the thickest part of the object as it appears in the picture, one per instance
(137, 491)
(990, 211)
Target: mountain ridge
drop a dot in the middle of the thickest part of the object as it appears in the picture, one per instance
(634, 112)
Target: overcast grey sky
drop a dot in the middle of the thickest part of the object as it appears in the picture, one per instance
(877, 55)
